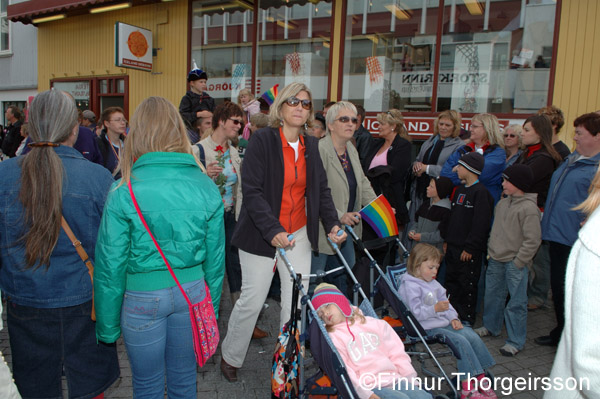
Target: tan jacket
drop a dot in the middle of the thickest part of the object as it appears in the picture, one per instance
(210, 154)
(338, 183)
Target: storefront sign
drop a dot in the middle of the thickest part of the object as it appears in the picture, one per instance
(422, 128)
(133, 47)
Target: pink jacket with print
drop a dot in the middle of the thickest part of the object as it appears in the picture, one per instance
(372, 349)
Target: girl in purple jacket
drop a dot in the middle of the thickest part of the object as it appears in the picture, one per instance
(426, 299)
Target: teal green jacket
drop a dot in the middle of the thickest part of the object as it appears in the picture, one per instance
(184, 211)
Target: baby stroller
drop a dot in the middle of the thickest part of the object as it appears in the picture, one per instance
(411, 331)
(321, 346)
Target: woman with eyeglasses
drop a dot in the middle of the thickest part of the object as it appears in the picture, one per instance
(513, 143)
(223, 165)
(539, 154)
(350, 188)
(433, 155)
(487, 140)
(285, 192)
(112, 138)
(387, 163)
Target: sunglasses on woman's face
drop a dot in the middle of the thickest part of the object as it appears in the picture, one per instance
(346, 119)
(294, 101)
(512, 136)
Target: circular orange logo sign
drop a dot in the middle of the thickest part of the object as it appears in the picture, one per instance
(137, 44)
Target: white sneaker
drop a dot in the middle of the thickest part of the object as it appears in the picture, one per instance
(482, 331)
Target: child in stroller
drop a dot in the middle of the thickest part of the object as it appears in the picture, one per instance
(427, 300)
(373, 353)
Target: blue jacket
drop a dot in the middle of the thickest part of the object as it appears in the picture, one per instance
(568, 188)
(66, 282)
(491, 175)
(87, 145)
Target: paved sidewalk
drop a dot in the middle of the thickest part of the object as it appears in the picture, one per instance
(254, 377)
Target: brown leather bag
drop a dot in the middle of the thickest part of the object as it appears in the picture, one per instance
(84, 257)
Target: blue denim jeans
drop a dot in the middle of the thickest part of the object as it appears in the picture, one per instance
(328, 262)
(47, 342)
(402, 390)
(505, 278)
(475, 357)
(158, 336)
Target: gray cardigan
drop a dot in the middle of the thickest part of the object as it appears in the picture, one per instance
(338, 183)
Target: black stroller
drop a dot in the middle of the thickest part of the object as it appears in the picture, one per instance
(321, 346)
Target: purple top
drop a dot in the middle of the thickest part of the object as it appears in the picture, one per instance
(421, 296)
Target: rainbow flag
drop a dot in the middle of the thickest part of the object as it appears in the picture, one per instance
(379, 214)
(269, 95)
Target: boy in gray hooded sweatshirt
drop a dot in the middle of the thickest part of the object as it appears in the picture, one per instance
(514, 240)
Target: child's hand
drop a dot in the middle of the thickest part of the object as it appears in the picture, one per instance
(456, 324)
(442, 306)
(414, 236)
(373, 396)
(465, 256)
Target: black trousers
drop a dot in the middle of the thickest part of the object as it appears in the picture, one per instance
(461, 282)
(559, 256)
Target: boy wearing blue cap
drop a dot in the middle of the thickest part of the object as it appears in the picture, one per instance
(196, 103)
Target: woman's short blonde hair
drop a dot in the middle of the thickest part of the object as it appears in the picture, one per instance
(334, 110)
(156, 126)
(491, 127)
(518, 130)
(394, 117)
(246, 92)
(288, 91)
(453, 116)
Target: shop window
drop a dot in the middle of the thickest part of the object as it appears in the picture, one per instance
(389, 54)
(97, 94)
(4, 28)
(495, 56)
(293, 46)
(222, 46)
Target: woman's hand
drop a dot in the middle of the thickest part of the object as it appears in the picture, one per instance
(335, 238)
(456, 324)
(213, 169)
(281, 240)
(350, 218)
(442, 306)
(419, 168)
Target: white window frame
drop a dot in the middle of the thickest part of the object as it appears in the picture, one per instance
(4, 15)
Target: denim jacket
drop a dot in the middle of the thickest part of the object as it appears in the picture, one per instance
(66, 282)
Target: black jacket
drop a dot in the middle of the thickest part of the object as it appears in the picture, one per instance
(543, 166)
(470, 218)
(262, 186)
(193, 103)
(399, 162)
(12, 139)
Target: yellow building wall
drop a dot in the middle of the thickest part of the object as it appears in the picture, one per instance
(84, 46)
(577, 81)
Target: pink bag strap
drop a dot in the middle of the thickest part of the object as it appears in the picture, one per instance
(139, 212)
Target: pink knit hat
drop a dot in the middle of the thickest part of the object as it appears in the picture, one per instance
(328, 293)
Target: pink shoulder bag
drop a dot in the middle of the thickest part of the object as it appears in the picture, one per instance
(202, 315)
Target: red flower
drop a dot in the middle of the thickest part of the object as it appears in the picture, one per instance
(219, 149)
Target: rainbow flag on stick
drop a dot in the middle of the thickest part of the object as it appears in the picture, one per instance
(380, 216)
(269, 95)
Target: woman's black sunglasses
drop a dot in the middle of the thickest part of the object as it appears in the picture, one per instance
(346, 119)
(294, 101)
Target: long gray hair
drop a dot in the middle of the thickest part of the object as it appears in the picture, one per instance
(52, 118)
